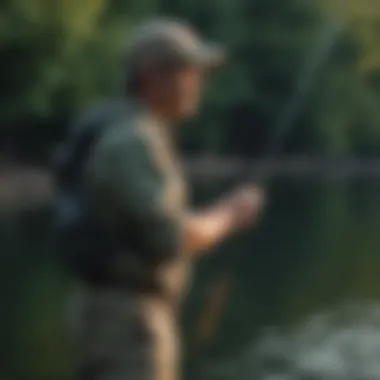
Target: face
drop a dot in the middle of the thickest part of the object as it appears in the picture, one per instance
(178, 90)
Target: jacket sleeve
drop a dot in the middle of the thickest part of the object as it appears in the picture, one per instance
(129, 187)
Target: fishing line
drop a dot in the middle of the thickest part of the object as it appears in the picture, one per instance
(284, 124)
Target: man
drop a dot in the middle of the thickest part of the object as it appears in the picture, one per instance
(134, 185)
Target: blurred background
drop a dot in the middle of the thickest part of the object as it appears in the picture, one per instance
(299, 101)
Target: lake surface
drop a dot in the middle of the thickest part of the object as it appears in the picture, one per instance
(315, 253)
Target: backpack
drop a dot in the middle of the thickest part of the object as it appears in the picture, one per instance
(83, 244)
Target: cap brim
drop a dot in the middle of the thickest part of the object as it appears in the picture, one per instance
(211, 56)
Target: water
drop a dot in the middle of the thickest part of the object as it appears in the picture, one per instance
(336, 344)
(316, 248)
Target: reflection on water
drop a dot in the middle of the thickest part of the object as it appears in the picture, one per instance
(316, 246)
(341, 343)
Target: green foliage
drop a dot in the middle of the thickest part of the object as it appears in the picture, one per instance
(59, 56)
(54, 54)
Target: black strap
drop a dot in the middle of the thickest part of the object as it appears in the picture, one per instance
(82, 135)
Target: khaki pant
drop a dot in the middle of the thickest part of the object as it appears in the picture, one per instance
(122, 336)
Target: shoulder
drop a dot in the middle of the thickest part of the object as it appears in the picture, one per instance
(124, 139)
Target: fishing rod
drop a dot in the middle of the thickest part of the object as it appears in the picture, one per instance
(285, 122)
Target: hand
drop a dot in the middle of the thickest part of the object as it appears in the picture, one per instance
(246, 204)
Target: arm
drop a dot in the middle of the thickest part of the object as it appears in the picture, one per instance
(206, 229)
(135, 188)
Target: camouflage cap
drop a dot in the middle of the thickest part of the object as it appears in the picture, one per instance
(170, 41)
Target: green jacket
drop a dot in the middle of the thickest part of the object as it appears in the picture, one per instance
(135, 186)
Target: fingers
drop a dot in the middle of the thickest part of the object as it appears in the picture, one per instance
(247, 203)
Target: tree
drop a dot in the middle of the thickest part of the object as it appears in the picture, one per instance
(56, 57)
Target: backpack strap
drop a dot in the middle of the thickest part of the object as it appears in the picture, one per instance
(71, 155)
